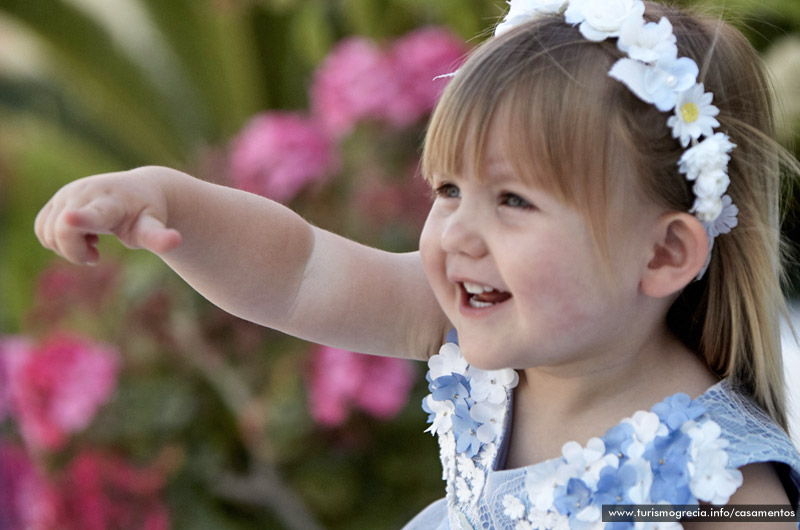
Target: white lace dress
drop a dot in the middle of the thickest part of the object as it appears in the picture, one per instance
(681, 452)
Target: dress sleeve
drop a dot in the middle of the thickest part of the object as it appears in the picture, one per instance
(753, 436)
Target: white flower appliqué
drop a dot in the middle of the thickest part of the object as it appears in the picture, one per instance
(513, 507)
(653, 71)
(443, 421)
(467, 408)
(709, 156)
(448, 361)
(675, 455)
(601, 20)
(491, 385)
(647, 42)
(521, 11)
(712, 480)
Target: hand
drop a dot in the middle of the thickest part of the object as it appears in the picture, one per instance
(130, 205)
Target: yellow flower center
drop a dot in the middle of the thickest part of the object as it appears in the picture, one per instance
(690, 112)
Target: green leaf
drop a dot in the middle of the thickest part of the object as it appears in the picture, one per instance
(153, 407)
(110, 86)
(216, 50)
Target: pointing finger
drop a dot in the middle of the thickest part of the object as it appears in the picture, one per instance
(101, 216)
(40, 224)
(75, 244)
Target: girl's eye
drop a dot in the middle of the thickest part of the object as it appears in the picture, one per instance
(512, 200)
(448, 191)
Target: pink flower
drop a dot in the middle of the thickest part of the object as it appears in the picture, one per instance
(62, 288)
(57, 388)
(341, 379)
(105, 492)
(359, 81)
(14, 352)
(354, 82)
(404, 200)
(277, 154)
(27, 500)
(418, 60)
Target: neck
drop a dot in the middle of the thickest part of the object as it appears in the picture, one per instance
(647, 365)
(582, 399)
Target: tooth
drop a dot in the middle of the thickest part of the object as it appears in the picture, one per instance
(473, 288)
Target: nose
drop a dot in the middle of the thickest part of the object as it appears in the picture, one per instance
(462, 234)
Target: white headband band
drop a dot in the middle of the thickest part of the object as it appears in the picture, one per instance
(653, 71)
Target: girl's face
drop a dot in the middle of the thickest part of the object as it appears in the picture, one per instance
(516, 272)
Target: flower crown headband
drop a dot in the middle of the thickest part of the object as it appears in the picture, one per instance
(653, 71)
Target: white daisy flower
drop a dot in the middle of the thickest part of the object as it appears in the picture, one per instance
(694, 115)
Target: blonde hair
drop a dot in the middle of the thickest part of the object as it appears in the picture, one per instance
(571, 129)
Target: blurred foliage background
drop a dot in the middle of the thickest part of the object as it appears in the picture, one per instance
(215, 407)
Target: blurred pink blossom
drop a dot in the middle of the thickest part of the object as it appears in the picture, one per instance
(28, 501)
(359, 80)
(14, 352)
(105, 492)
(341, 379)
(354, 82)
(419, 59)
(56, 388)
(279, 153)
(405, 200)
(64, 286)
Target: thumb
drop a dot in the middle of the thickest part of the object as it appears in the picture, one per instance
(151, 234)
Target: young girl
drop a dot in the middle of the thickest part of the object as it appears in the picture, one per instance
(604, 240)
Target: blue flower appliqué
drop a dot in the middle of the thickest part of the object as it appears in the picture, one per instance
(665, 455)
(466, 409)
(673, 453)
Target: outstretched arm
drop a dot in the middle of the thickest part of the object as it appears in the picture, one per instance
(253, 258)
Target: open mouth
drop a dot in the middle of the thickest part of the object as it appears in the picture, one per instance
(482, 296)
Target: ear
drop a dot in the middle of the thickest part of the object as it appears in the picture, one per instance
(679, 250)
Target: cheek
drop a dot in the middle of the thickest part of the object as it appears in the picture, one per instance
(561, 288)
(431, 254)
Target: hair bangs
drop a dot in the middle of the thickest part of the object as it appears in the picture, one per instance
(545, 91)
